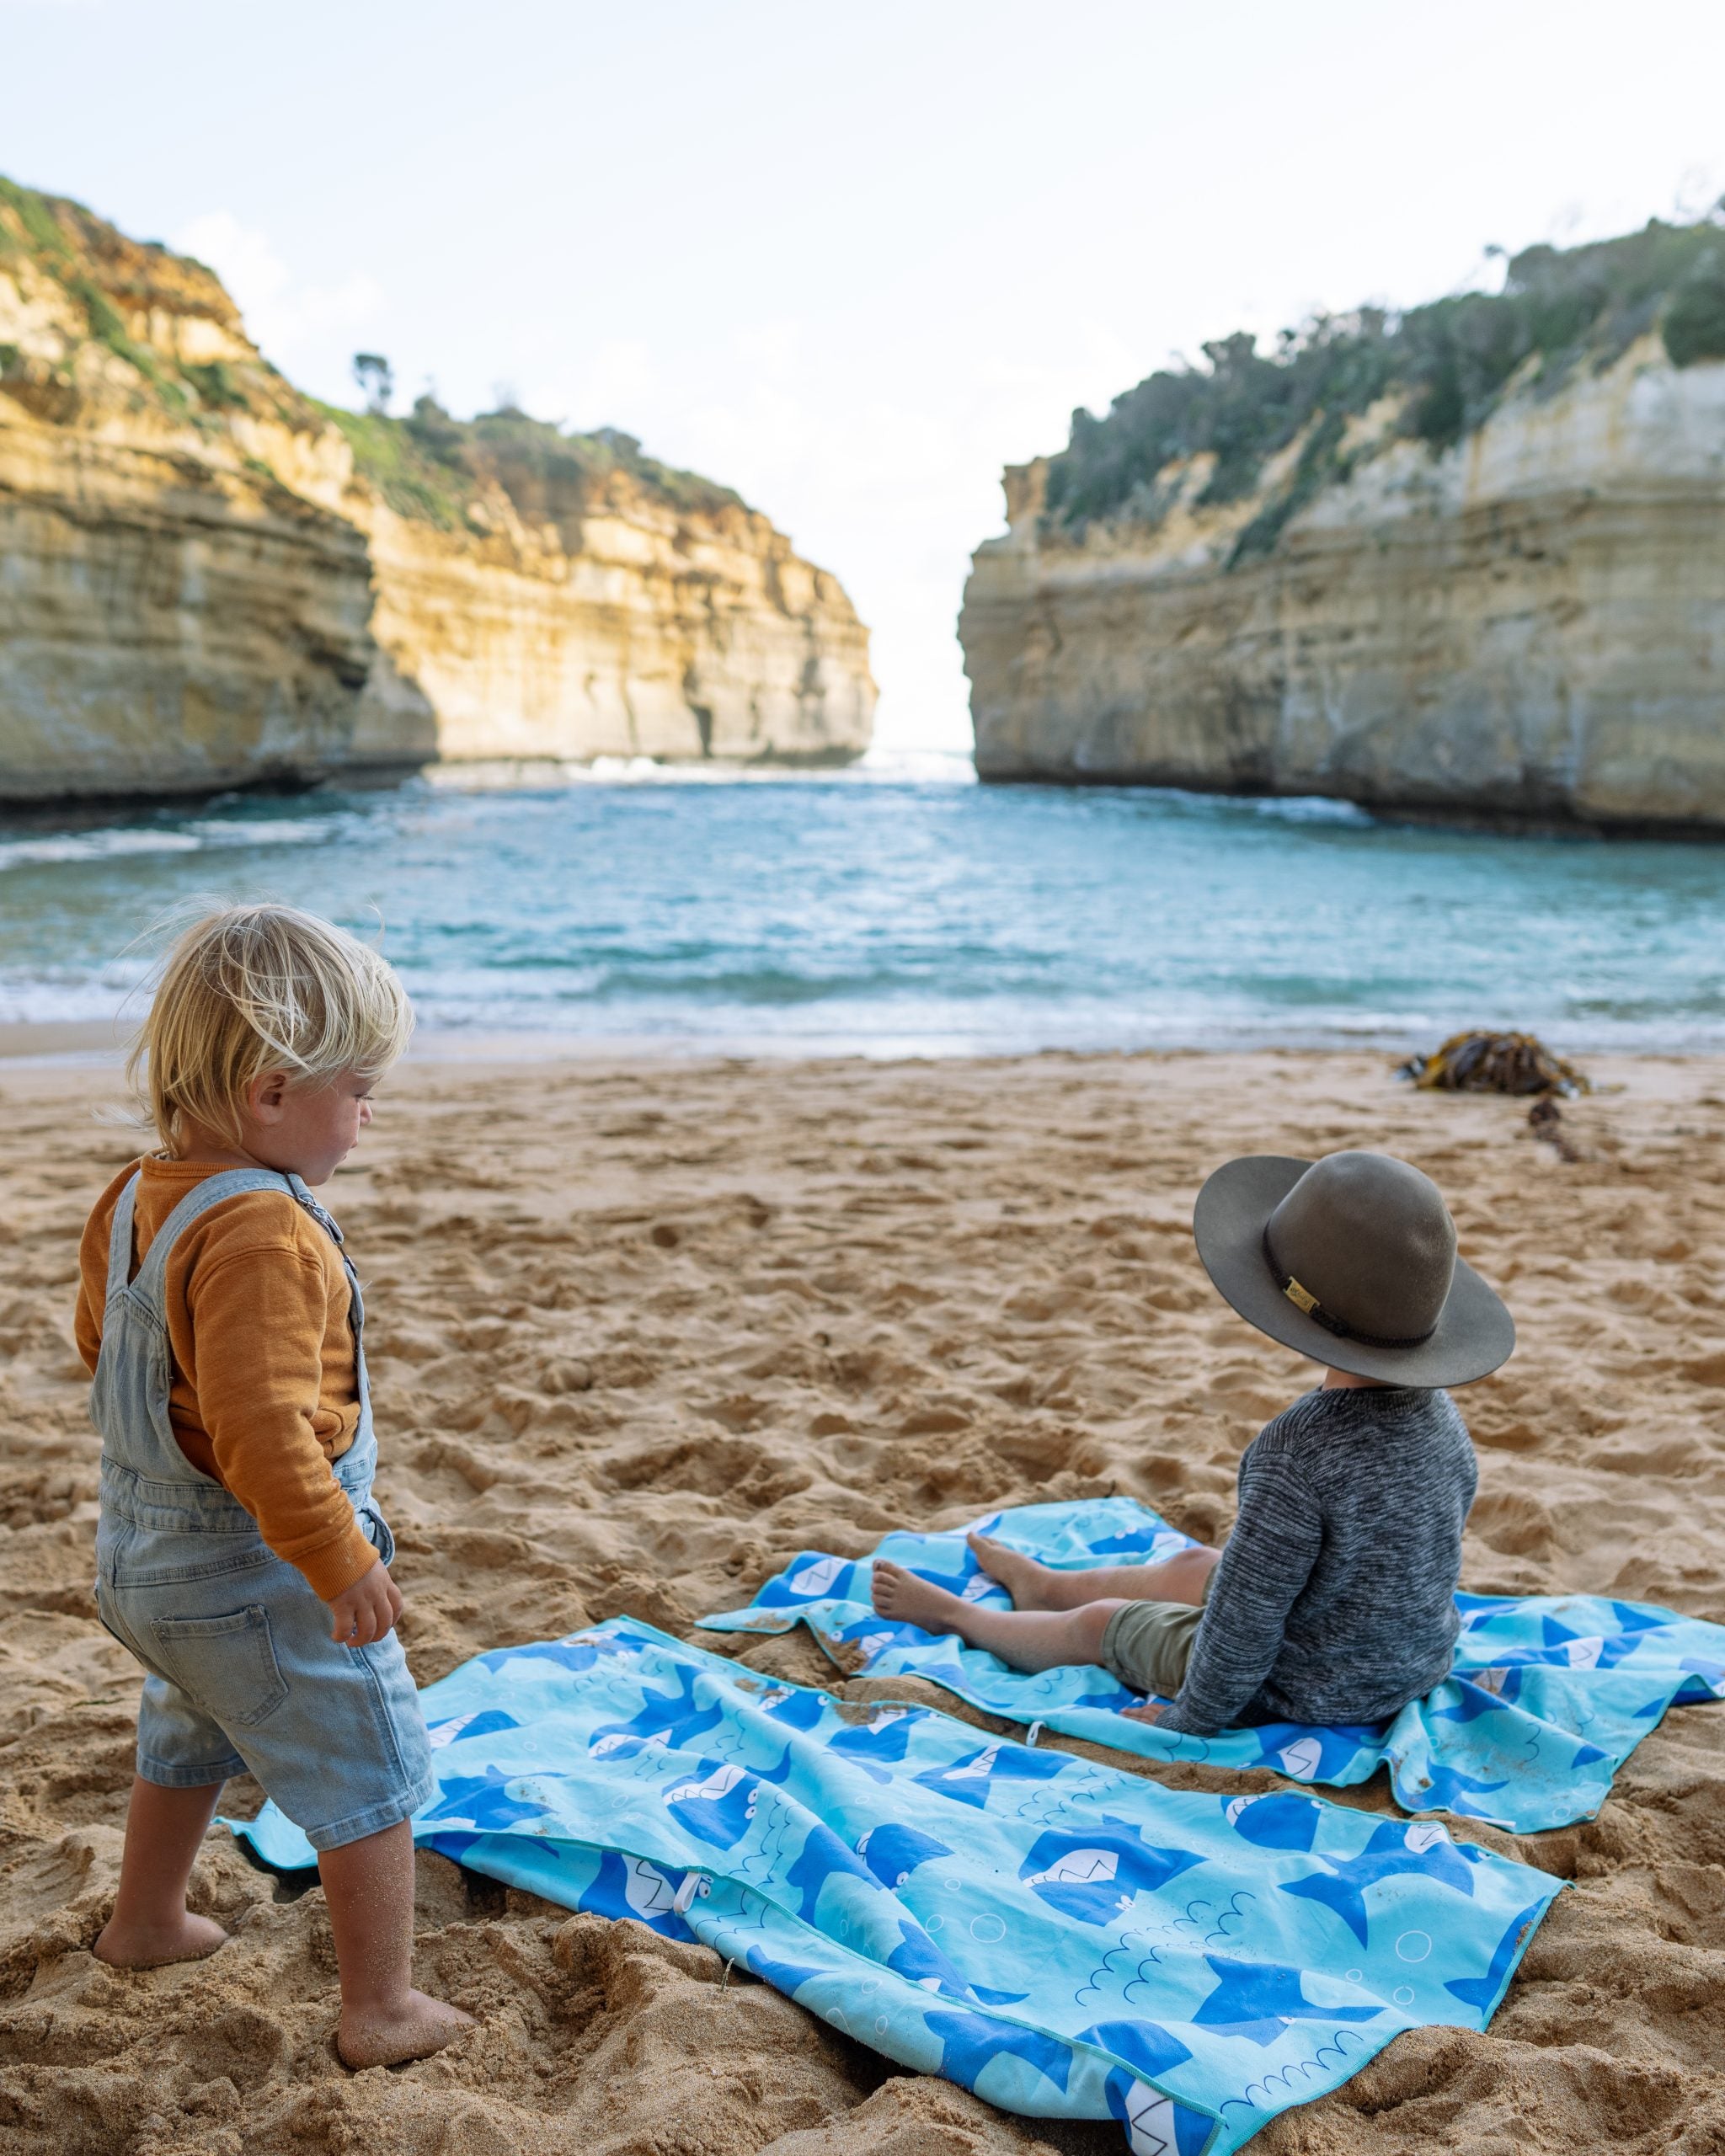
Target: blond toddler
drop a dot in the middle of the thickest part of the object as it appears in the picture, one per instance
(240, 1556)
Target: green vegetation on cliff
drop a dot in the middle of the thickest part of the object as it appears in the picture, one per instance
(124, 298)
(432, 466)
(1450, 362)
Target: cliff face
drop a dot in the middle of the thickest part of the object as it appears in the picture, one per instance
(174, 618)
(1525, 622)
(208, 580)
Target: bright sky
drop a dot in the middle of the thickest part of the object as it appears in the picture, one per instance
(849, 259)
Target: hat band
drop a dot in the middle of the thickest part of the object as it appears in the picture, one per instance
(1308, 1306)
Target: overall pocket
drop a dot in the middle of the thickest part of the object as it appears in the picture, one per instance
(226, 1664)
(376, 1529)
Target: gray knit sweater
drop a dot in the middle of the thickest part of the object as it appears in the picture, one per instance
(1334, 1601)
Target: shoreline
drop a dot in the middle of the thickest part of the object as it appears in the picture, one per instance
(94, 1044)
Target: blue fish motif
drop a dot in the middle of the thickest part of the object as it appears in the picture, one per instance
(824, 1856)
(788, 1976)
(794, 1706)
(1395, 1847)
(970, 2042)
(1272, 1823)
(1481, 1993)
(1447, 1789)
(456, 1729)
(629, 1887)
(917, 1958)
(892, 1853)
(1095, 1876)
(1135, 1543)
(484, 1800)
(1471, 1700)
(670, 1718)
(1258, 1999)
(1145, 2046)
(715, 1804)
(1313, 1754)
(968, 1780)
(574, 1655)
(812, 1576)
(865, 1744)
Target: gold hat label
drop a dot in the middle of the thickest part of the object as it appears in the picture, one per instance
(1305, 1302)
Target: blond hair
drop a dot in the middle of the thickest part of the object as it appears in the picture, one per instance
(252, 989)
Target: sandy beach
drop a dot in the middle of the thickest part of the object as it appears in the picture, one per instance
(641, 1331)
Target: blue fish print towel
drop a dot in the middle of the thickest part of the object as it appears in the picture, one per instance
(1549, 1696)
(1066, 1939)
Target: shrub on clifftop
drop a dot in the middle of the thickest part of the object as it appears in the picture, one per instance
(1450, 360)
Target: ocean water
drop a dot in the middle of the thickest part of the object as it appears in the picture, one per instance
(901, 909)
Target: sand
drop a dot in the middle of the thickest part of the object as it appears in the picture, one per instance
(639, 1334)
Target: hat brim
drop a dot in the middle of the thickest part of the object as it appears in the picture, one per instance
(1473, 1336)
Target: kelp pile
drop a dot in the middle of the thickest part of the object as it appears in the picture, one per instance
(1494, 1063)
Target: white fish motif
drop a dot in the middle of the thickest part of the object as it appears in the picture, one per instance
(646, 1889)
(976, 1770)
(1078, 1868)
(1582, 1654)
(1425, 1835)
(817, 1576)
(718, 1784)
(616, 1741)
(1301, 1757)
(1150, 2122)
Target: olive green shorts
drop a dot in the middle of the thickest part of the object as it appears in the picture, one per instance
(1147, 1644)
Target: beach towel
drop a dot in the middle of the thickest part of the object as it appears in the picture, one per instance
(1548, 1697)
(1068, 1939)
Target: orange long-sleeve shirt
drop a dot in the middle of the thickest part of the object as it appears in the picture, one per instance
(263, 1394)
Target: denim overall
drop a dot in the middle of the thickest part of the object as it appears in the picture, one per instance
(243, 1674)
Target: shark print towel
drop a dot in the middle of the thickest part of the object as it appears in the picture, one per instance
(1065, 1938)
(1547, 1697)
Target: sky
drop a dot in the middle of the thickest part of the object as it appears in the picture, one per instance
(849, 259)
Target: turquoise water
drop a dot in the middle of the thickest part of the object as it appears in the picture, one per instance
(890, 913)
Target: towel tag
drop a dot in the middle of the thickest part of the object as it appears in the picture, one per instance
(694, 1883)
(1035, 1732)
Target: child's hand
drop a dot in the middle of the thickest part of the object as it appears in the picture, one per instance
(367, 1610)
(1148, 1712)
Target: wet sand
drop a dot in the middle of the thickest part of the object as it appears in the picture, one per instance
(641, 1331)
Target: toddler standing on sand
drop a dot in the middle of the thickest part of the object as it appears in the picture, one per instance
(239, 1555)
(1334, 1599)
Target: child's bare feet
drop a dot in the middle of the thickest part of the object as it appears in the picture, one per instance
(909, 1600)
(154, 1945)
(1024, 1579)
(389, 2036)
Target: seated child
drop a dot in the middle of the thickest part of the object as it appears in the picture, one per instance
(240, 1554)
(1333, 1599)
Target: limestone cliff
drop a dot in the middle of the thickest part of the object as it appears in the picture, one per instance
(1489, 586)
(208, 580)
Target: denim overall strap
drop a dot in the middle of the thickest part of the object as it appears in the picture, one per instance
(151, 1278)
(120, 1232)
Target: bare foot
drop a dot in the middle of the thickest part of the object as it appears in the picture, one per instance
(908, 1600)
(1024, 1579)
(153, 1946)
(418, 2026)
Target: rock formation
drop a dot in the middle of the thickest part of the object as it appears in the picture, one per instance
(1499, 595)
(208, 580)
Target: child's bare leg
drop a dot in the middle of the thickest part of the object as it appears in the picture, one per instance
(1028, 1639)
(151, 1923)
(369, 1885)
(1036, 1586)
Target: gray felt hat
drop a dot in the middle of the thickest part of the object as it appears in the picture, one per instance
(1350, 1259)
